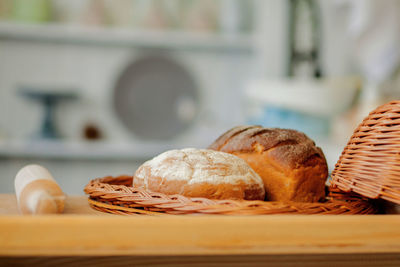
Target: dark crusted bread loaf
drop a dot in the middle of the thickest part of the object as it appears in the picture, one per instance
(289, 163)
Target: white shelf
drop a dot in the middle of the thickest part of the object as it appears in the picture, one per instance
(75, 150)
(75, 34)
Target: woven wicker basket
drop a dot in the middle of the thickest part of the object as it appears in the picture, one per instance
(370, 163)
(116, 195)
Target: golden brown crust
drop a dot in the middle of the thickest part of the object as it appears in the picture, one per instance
(291, 166)
(304, 184)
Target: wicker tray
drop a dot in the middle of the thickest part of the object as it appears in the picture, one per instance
(116, 195)
(370, 163)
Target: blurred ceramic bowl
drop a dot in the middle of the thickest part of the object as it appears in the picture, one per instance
(318, 97)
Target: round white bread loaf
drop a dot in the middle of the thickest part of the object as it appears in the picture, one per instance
(200, 173)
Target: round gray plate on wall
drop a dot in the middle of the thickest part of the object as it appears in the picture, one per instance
(156, 98)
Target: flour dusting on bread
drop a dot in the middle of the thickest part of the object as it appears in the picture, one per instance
(202, 173)
(201, 165)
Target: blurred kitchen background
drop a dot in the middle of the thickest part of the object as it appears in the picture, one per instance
(90, 88)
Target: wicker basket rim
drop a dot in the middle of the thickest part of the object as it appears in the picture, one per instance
(109, 194)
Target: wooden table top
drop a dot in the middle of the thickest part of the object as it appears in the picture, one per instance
(82, 231)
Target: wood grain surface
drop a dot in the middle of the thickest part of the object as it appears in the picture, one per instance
(84, 234)
(73, 205)
(325, 260)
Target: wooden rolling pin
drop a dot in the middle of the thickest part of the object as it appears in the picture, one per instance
(37, 191)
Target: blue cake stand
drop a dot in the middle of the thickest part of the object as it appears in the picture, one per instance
(49, 100)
